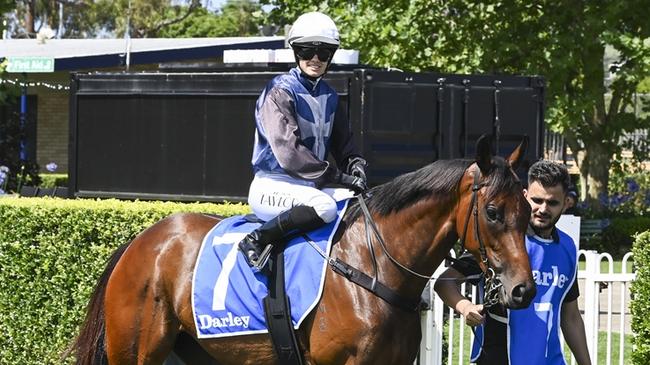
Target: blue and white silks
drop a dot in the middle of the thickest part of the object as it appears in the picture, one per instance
(227, 296)
(533, 332)
(315, 108)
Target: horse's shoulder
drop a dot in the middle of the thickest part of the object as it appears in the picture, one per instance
(340, 231)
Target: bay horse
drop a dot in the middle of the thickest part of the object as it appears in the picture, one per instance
(141, 308)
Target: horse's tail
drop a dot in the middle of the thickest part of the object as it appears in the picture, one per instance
(89, 346)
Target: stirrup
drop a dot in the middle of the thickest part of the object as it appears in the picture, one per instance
(262, 259)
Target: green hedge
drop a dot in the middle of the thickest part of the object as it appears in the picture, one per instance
(51, 253)
(640, 305)
(52, 180)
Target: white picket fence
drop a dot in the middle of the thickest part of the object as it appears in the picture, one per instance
(593, 295)
(599, 314)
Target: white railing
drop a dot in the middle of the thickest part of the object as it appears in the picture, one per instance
(598, 287)
(595, 282)
(433, 324)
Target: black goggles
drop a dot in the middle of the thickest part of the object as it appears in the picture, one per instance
(307, 53)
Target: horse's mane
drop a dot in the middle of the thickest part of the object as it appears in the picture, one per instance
(440, 178)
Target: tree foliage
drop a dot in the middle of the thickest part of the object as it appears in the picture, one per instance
(147, 18)
(81, 18)
(235, 18)
(5, 6)
(564, 41)
(14, 172)
(143, 18)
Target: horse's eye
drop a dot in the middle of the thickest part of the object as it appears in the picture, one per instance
(492, 212)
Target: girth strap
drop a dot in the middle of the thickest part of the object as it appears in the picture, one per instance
(278, 314)
(374, 286)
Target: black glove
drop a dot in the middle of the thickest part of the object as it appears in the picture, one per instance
(354, 183)
(357, 167)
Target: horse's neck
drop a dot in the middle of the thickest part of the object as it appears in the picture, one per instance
(419, 237)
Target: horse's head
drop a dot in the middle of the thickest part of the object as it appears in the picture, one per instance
(492, 218)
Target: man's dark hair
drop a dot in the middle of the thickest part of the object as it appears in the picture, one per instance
(549, 174)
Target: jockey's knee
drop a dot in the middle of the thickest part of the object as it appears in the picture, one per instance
(324, 206)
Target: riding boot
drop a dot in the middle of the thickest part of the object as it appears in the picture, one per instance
(297, 220)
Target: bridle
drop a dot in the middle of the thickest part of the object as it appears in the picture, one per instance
(492, 282)
(372, 284)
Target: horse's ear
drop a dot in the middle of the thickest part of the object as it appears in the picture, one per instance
(517, 156)
(484, 154)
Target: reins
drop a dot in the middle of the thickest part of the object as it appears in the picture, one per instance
(370, 222)
(492, 282)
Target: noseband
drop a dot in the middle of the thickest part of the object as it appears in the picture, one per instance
(492, 281)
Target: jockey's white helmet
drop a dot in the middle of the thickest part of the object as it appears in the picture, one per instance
(313, 28)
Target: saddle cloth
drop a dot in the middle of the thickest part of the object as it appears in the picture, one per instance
(227, 295)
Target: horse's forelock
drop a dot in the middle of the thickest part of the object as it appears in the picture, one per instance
(501, 178)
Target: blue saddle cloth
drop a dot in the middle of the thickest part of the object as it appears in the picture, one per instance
(227, 295)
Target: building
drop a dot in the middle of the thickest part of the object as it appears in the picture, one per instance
(42, 68)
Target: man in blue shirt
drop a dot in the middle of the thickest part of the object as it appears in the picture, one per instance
(530, 336)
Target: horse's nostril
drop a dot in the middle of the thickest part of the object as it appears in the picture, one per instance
(522, 295)
(519, 293)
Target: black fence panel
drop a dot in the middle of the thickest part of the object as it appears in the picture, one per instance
(189, 135)
(412, 119)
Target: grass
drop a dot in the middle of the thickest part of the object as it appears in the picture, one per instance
(604, 266)
(602, 349)
(458, 323)
(602, 344)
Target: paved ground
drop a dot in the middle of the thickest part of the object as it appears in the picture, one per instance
(616, 307)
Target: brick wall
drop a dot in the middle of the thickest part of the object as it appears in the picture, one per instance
(53, 115)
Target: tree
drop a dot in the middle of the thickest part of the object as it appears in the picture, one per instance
(79, 17)
(563, 41)
(147, 18)
(89, 18)
(566, 42)
(236, 18)
(5, 7)
(14, 172)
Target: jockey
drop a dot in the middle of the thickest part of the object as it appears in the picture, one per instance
(296, 126)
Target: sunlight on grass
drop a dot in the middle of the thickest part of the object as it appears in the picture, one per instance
(467, 344)
(604, 266)
(602, 349)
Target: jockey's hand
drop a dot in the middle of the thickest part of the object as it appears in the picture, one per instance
(473, 313)
(353, 183)
(357, 167)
